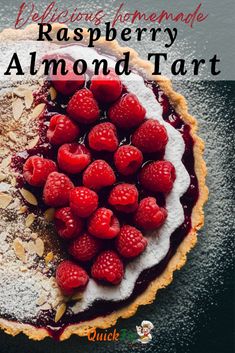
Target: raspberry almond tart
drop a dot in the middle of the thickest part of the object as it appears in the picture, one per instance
(101, 194)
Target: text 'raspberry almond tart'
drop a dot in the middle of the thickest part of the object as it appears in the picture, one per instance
(102, 190)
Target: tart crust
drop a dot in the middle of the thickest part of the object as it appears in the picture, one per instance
(197, 219)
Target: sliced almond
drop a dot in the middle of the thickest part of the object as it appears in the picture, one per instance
(12, 136)
(5, 200)
(38, 110)
(45, 306)
(17, 108)
(29, 220)
(33, 142)
(39, 247)
(29, 197)
(60, 311)
(5, 162)
(53, 93)
(49, 257)
(49, 214)
(28, 99)
(22, 209)
(31, 247)
(19, 92)
(19, 250)
(41, 300)
(2, 177)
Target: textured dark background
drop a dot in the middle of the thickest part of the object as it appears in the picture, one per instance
(196, 312)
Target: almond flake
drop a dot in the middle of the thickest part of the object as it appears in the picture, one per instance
(13, 181)
(49, 257)
(33, 142)
(19, 250)
(45, 306)
(29, 220)
(28, 99)
(12, 136)
(20, 91)
(5, 162)
(29, 197)
(2, 176)
(60, 311)
(5, 200)
(41, 300)
(17, 108)
(53, 93)
(39, 247)
(38, 110)
(22, 209)
(49, 214)
(31, 247)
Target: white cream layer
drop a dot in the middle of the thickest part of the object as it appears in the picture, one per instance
(159, 241)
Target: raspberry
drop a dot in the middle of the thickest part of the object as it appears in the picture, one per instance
(128, 159)
(130, 242)
(84, 248)
(150, 136)
(70, 277)
(98, 175)
(149, 215)
(73, 157)
(108, 267)
(158, 176)
(82, 107)
(61, 130)
(69, 83)
(106, 88)
(67, 225)
(127, 112)
(83, 201)
(103, 224)
(56, 190)
(124, 197)
(36, 170)
(103, 137)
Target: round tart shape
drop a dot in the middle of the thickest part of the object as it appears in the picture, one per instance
(32, 301)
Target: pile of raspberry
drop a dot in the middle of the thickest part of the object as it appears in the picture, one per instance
(98, 237)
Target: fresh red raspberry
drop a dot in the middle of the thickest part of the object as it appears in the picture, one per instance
(150, 136)
(84, 248)
(127, 112)
(70, 277)
(108, 267)
(130, 242)
(73, 157)
(62, 130)
(83, 201)
(124, 197)
(158, 176)
(106, 88)
(67, 225)
(98, 175)
(128, 159)
(103, 137)
(83, 107)
(69, 83)
(36, 170)
(56, 190)
(103, 224)
(149, 215)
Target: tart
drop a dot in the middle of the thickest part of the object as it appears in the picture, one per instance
(102, 191)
